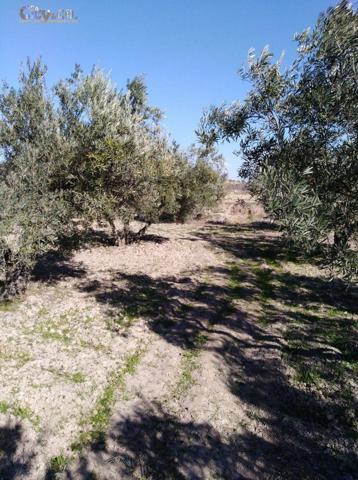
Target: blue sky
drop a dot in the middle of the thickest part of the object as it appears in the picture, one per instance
(188, 50)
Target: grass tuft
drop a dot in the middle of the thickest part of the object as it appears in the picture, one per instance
(20, 411)
(76, 377)
(20, 357)
(123, 320)
(10, 306)
(263, 277)
(53, 330)
(59, 463)
(236, 278)
(4, 407)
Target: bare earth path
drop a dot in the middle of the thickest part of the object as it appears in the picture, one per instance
(206, 352)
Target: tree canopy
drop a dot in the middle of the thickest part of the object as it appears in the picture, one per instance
(298, 136)
(88, 151)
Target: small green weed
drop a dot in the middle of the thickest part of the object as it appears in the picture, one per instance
(53, 330)
(98, 420)
(122, 321)
(271, 262)
(76, 377)
(263, 277)
(236, 278)
(10, 306)
(20, 357)
(189, 363)
(59, 463)
(20, 411)
(307, 375)
(4, 407)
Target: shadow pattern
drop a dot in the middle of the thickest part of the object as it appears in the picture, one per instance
(15, 459)
(305, 432)
(299, 430)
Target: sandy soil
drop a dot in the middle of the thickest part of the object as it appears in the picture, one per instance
(172, 359)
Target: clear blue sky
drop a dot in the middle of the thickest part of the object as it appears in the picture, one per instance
(188, 50)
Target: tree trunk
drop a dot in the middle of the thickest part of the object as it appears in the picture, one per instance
(131, 237)
(16, 277)
(113, 230)
(142, 231)
(127, 234)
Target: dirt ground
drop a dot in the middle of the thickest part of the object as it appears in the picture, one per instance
(208, 351)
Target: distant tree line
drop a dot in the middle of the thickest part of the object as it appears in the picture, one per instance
(298, 136)
(88, 152)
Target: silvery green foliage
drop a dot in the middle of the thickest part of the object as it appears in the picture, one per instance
(291, 201)
(124, 166)
(90, 152)
(201, 181)
(33, 207)
(115, 171)
(30, 215)
(27, 114)
(303, 119)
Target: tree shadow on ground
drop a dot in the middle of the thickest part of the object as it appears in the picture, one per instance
(153, 444)
(301, 434)
(292, 431)
(166, 303)
(257, 242)
(100, 236)
(55, 267)
(59, 265)
(151, 238)
(15, 461)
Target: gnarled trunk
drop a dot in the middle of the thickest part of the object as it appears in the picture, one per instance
(114, 231)
(131, 237)
(16, 279)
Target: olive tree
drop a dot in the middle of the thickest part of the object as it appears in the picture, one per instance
(32, 213)
(91, 152)
(120, 150)
(201, 181)
(298, 136)
(124, 167)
